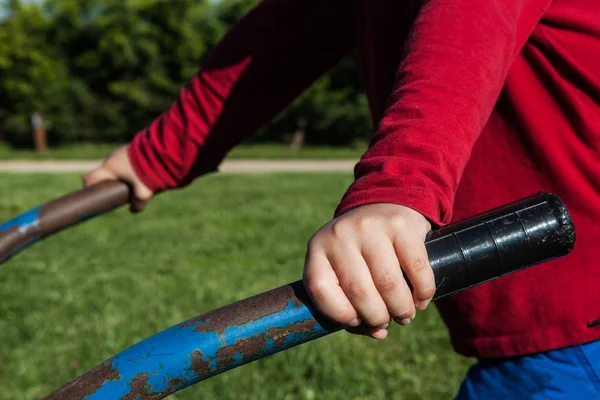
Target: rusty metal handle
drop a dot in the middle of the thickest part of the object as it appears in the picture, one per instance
(203, 347)
(462, 255)
(58, 214)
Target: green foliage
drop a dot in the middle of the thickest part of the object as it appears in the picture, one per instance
(229, 11)
(32, 78)
(335, 116)
(101, 70)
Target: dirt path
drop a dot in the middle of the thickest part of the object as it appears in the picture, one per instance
(233, 166)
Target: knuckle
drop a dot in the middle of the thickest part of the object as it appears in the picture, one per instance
(366, 223)
(398, 223)
(355, 291)
(340, 229)
(419, 265)
(316, 287)
(386, 283)
(424, 281)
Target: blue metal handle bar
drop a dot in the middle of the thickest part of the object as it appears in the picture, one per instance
(30, 227)
(203, 347)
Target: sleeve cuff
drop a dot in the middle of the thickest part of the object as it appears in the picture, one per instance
(142, 167)
(421, 200)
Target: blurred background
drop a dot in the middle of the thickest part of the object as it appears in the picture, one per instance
(77, 78)
(97, 71)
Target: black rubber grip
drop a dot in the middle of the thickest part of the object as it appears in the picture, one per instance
(499, 242)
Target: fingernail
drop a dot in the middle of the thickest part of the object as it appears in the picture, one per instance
(379, 335)
(355, 323)
(406, 321)
(423, 305)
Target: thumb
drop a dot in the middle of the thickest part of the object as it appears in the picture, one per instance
(98, 175)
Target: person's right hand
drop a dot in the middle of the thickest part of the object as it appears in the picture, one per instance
(117, 167)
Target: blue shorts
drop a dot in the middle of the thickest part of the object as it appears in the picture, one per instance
(568, 374)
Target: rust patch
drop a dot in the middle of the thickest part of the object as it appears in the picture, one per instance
(250, 309)
(87, 384)
(174, 383)
(200, 366)
(140, 390)
(279, 334)
(193, 321)
(248, 348)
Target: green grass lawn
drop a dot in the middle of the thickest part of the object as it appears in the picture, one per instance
(249, 151)
(75, 299)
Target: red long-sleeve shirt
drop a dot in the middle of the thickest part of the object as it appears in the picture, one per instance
(476, 104)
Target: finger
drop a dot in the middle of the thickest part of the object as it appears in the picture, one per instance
(137, 205)
(357, 283)
(323, 287)
(140, 197)
(374, 333)
(414, 261)
(380, 255)
(98, 175)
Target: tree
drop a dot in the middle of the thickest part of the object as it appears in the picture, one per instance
(134, 56)
(33, 79)
(100, 70)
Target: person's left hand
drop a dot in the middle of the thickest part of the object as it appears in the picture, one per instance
(118, 167)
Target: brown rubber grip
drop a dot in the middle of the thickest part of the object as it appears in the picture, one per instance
(58, 214)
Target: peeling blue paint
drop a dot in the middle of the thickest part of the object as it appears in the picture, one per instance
(24, 221)
(168, 355)
(27, 223)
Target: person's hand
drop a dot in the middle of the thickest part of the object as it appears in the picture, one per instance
(117, 167)
(353, 270)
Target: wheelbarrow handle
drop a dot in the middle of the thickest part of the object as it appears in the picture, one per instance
(58, 214)
(463, 255)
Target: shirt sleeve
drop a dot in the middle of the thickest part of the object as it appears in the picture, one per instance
(267, 59)
(455, 62)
